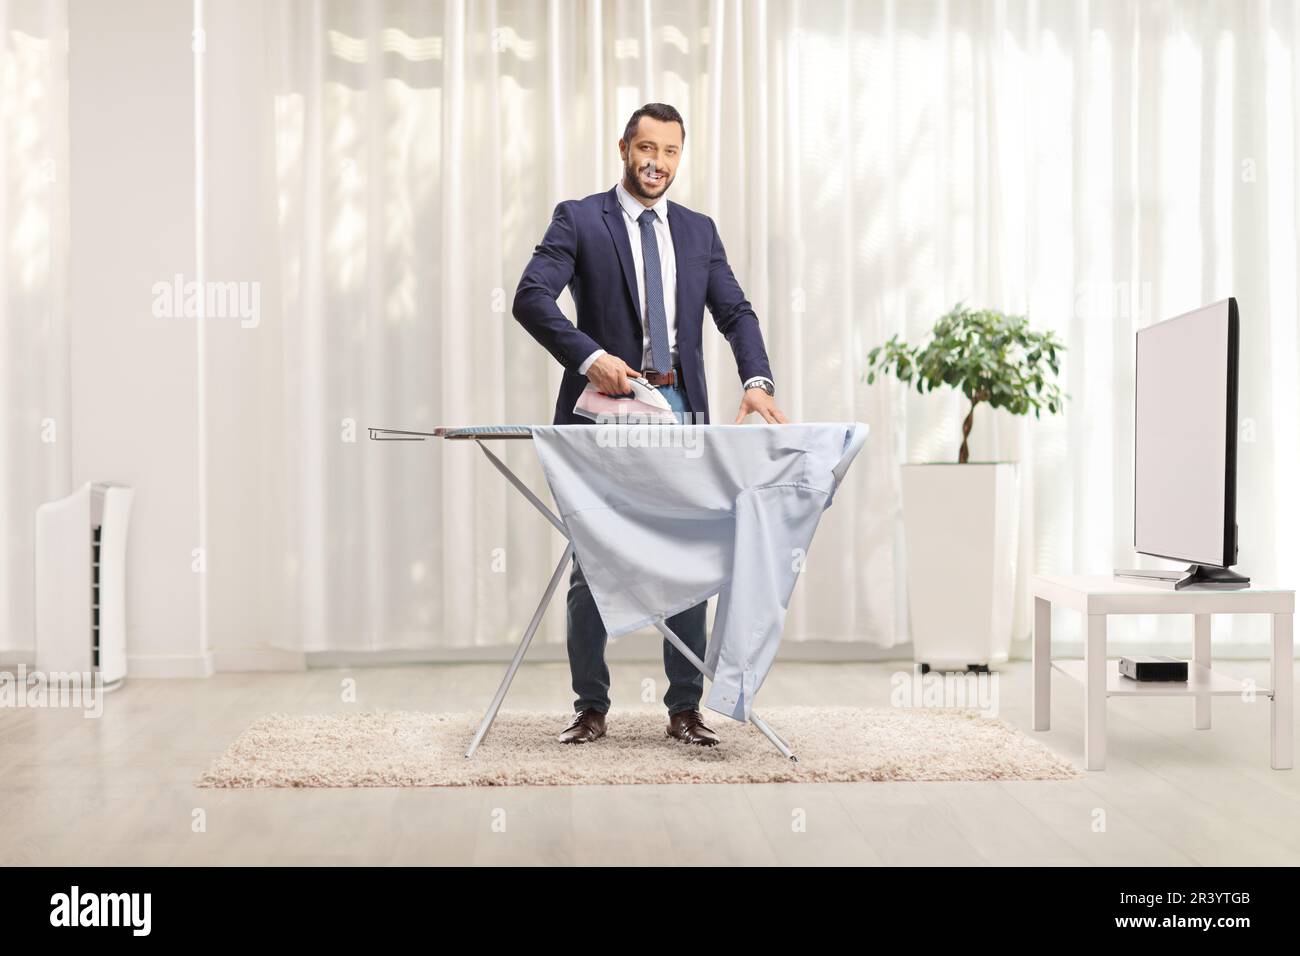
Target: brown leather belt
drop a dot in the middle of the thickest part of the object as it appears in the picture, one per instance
(662, 378)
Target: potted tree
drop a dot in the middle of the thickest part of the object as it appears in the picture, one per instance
(960, 520)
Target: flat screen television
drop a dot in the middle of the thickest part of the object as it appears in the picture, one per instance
(1185, 448)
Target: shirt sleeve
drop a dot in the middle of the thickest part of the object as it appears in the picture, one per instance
(582, 369)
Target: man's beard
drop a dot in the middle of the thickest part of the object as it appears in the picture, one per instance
(632, 181)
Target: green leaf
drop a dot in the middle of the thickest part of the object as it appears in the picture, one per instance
(984, 354)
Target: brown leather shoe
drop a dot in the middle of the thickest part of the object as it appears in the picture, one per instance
(587, 726)
(688, 727)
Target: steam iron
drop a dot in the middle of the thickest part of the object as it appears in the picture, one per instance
(643, 404)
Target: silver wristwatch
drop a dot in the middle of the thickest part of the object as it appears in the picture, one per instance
(763, 383)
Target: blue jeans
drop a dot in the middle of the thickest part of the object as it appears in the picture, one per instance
(587, 637)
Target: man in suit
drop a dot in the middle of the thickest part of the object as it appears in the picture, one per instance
(641, 270)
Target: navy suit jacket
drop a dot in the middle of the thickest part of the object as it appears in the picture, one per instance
(586, 248)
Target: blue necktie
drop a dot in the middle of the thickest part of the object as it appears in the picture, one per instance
(654, 294)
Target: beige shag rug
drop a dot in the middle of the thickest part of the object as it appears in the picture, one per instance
(415, 749)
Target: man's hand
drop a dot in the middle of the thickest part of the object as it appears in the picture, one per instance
(609, 373)
(757, 400)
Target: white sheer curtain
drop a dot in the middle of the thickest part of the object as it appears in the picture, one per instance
(34, 427)
(1099, 166)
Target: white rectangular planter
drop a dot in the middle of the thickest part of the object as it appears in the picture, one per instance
(960, 525)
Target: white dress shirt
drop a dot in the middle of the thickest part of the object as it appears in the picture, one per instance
(632, 209)
(683, 513)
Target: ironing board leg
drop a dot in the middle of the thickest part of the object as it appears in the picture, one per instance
(523, 649)
(756, 720)
(771, 735)
(523, 489)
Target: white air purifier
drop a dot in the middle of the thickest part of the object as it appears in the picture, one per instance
(81, 582)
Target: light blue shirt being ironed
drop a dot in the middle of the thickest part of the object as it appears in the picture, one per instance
(664, 517)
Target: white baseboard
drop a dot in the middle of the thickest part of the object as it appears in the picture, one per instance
(243, 660)
(625, 649)
(151, 666)
(632, 647)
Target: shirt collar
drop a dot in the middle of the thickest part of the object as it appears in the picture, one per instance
(632, 207)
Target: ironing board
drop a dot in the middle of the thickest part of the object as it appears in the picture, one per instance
(479, 434)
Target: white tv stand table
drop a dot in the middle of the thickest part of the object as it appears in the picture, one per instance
(1097, 597)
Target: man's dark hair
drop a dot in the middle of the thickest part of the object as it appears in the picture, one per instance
(660, 111)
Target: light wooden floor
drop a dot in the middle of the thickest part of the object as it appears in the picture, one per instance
(118, 790)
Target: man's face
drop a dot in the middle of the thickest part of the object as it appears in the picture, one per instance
(650, 160)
